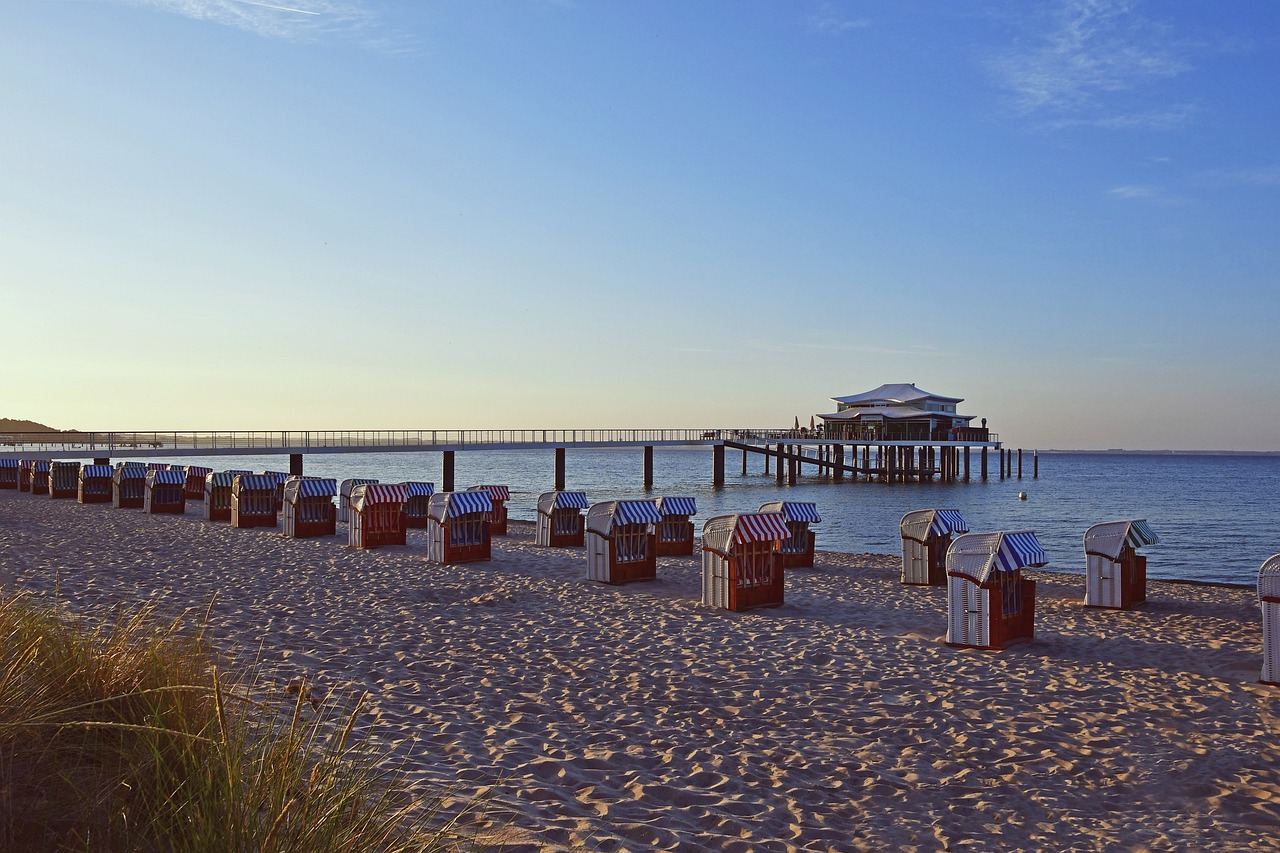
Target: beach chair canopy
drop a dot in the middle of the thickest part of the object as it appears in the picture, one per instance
(724, 531)
(309, 487)
(277, 477)
(141, 465)
(676, 506)
(253, 483)
(196, 471)
(129, 472)
(88, 471)
(348, 485)
(419, 490)
(447, 505)
(496, 493)
(793, 510)
(8, 463)
(166, 478)
(1269, 579)
(1107, 539)
(220, 478)
(41, 465)
(604, 516)
(369, 494)
(976, 556)
(920, 524)
(549, 501)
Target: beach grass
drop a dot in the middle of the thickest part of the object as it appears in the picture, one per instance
(126, 735)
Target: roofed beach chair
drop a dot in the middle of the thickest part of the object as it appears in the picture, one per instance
(673, 535)
(165, 491)
(64, 479)
(1269, 600)
(40, 477)
(344, 496)
(620, 541)
(10, 474)
(1115, 574)
(415, 504)
(95, 484)
(458, 527)
(308, 507)
(926, 536)
(195, 475)
(498, 496)
(129, 486)
(279, 477)
(217, 493)
(253, 501)
(741, 568)
(797, 551)
(377, 515)
(24, 474)
(560, 523)
(989, 603)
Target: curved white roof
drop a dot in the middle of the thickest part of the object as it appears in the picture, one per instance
(897, 393)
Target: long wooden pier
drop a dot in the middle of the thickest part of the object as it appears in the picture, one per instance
(883, 461)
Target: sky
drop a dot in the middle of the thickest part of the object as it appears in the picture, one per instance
(525, 214)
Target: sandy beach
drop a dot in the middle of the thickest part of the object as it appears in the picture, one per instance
(636, 718)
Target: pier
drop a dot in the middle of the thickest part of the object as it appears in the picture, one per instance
(786, 451)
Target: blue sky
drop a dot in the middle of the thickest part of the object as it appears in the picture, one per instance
(329, 214)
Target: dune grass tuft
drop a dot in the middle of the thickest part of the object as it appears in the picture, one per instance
(125, 735)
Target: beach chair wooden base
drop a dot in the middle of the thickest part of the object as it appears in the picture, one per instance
(172, 508)
(313, 529)
(247, 520)
(498, 520)
(93, 497)
(60, 494)
(452, 553)
(128, 502)
(217, 513)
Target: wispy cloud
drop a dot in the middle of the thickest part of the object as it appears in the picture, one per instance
(1267, 176)
(1080, 63)
(291, 20)
(1132, 191)
(827, 19)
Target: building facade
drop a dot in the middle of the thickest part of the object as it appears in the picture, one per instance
(900, 412)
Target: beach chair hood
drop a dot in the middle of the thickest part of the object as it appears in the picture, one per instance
(549, 501)
(370, 494)
(677, 506)
(1110, 537)
(166, 478)
(920, 524)
(496, 493)
(794, 510)
(309, 487)
(604, 516)
(447, 505)
(977, 556)
(724, 531)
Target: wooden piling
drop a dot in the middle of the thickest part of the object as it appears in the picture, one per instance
(446, 471)
(559, 469)
(983, 454)
(1019, 463)
(717, 465)
(837, 456)
(779, 474)
(1035, 464)
(648, 466)
(295, 464)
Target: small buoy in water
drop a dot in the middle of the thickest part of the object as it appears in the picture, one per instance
(1022, 496)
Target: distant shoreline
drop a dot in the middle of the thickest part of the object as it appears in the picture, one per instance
(1123, 452)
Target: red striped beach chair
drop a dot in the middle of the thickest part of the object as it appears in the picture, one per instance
(377, 515)
(741, 568)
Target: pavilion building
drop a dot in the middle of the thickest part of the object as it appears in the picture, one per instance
(900, 412)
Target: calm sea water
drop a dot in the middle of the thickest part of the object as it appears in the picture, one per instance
(1216, 515)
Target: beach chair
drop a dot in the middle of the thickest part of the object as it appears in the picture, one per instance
(64, 479)
(560, 523)
(926, 536)
(165, 492)
(195, 484)
(24, 474)
(217, 493)
(673, 535)
(40, 477)
(377, 515)
(253, 501)
(620, 541)
(741, 568)
(458, 527)
(797, 551)
(96, 484)
(279, 477)
(1269, 600)
(10, 474)
(989, 603)
(1115, 574)
(308, 507)
(128, 486)
(498, 496)
(344, 496)
(415, 504)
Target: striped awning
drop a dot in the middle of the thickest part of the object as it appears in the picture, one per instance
(234, 471)
(794, 510)
(310, 487)
(947, 521)
(278, 476)
(385, 493)
(570, 500)
(976, 556)
(496, 493)
(130, 472)
(255, 482)
(636, 512)
(463, 503)
(40, 465)
(198, 471)
(182, 468)
(219, 478)
(141, 465)
(88, 471)
(419, 490)
(761, 527)
(677, 506)
(8, 463)
(166, 478)
(157, 466)
(1109, 538)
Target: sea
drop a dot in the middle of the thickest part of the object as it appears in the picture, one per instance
(1217, 515)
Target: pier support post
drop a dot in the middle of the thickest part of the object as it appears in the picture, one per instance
(966, 464)
(984, 463)
(446, 471)
(648, 466)
(793, 466)
(100, 460)
(1019, 463)
(559, 469)
(779, 473)
(744, 462)
(1035, 464)
(717, 465)
(295, 464)
(837, 456)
